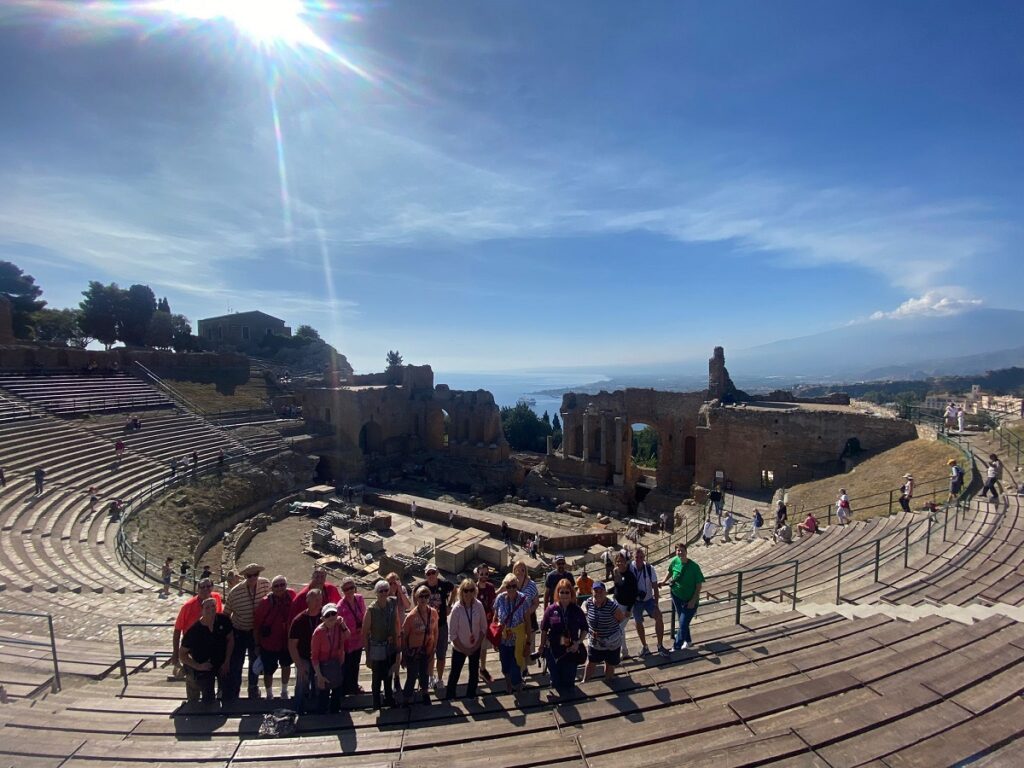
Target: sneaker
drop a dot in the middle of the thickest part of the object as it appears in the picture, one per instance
(270, 693)
(627, 656)
(662, 650)
(645, 651)
(437, 685)
(254, 693)
(486, 676)
(684, 646)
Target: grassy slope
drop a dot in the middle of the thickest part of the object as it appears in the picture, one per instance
(924, 459)
(251, 395)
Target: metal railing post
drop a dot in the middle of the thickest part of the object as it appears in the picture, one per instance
(672, 629)
(906, 546)
(890, 502)
(796, 575)
(945, 522)
(878, 555)
(928, 537)
(829, 515)
(124, 661)
(53, 650)
(739, 595)
(839, 577)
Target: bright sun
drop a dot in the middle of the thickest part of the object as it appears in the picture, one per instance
(264, 22)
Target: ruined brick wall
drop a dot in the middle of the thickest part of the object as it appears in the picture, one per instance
(199, 366)
(742, 442)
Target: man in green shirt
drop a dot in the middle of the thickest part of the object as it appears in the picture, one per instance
(684, 577)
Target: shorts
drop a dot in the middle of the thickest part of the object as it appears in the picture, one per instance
(274, 659)
(167, 581)
(604, 655)
(442, 642)
(650, 605)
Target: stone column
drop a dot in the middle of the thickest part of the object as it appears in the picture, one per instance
(566, 431)
(586, 438)
(550, 450)
(619, 467)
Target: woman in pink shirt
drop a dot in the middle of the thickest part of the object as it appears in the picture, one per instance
(327, 655)
(352, 609)
(419, 638)
(467, 627)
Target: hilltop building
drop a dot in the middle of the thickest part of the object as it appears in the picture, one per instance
(242, 327)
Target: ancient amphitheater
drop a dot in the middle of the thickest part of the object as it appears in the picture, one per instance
(895, 641)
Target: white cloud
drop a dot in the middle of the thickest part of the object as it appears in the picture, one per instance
(931, 304)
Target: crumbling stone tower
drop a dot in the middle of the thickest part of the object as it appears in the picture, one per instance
(720, 386)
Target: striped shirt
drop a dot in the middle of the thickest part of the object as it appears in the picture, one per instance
(241, 603)
(604, 627)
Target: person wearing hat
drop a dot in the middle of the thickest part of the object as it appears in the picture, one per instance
(993, 474)
(240, 606)
(604, 636)
(956, 479)
(442, 595)
(551, 581)
(327, 656)
(906, 492)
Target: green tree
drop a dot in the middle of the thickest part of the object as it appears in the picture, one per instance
(23, 293)
(394, 359)
(645, 447)
(556, 424)
(100, 310)
(181, 334)
(546, 418)
(135, 313)
(160, 332)
(59, 326)
(524, 430)
(307, 332)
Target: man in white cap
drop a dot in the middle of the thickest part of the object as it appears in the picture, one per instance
(906, 492)
(240, 606)
(442, 595)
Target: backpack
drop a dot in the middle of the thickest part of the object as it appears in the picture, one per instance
(758, 520)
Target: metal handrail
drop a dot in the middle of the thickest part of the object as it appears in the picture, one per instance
(144, 657)
(55, 684)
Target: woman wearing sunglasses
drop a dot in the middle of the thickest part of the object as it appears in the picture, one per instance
(419, 638)
(511, 610)
(561, 638)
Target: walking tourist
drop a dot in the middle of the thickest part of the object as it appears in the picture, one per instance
(646, 602)
(381, 631)
(756, 524)
(240, 606)
(189, 614)
(398, 591)
(684, 579)
(412, 511)
(781, 514)
(352, 609)
(327, 656)
(119, 450)
(956, 480)
(510, 610)
(468, 625)
(442, 595)
(506, 536)
(419, 637)
(318, 580)
(561, 639)
(843, 511)
(173, 463)
(609, 563)
(604, 637)
(993, 476)
(39, 475)
(728, 522)
(205, 652)
(906, 492)
(959, 418)
(300, 636)
(182, 576)
(708, 532)
(486, 594)
(717, 499)
(272, 621)
(625, 595)
(166, 572)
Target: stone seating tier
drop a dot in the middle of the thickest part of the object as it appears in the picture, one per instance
(69, 394)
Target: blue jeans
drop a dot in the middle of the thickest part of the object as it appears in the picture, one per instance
(245, 644)
(562, 674)
(305, 690)
(509, 666)
(684, 616)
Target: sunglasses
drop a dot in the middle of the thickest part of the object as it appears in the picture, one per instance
(422, 597)
(348, 588)
(471, 589)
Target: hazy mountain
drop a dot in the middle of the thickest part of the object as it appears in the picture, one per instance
(962, 343)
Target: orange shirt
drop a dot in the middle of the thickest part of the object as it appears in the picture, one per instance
(191, 610)
(584, 586)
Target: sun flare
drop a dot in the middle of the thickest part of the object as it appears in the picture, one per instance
(262, 22)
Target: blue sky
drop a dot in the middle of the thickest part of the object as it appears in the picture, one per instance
(519, 185)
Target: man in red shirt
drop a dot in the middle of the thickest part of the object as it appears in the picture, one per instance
(329, 592)
(273, 617)
(189, 614)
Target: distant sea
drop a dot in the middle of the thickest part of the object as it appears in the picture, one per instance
(508, 389)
